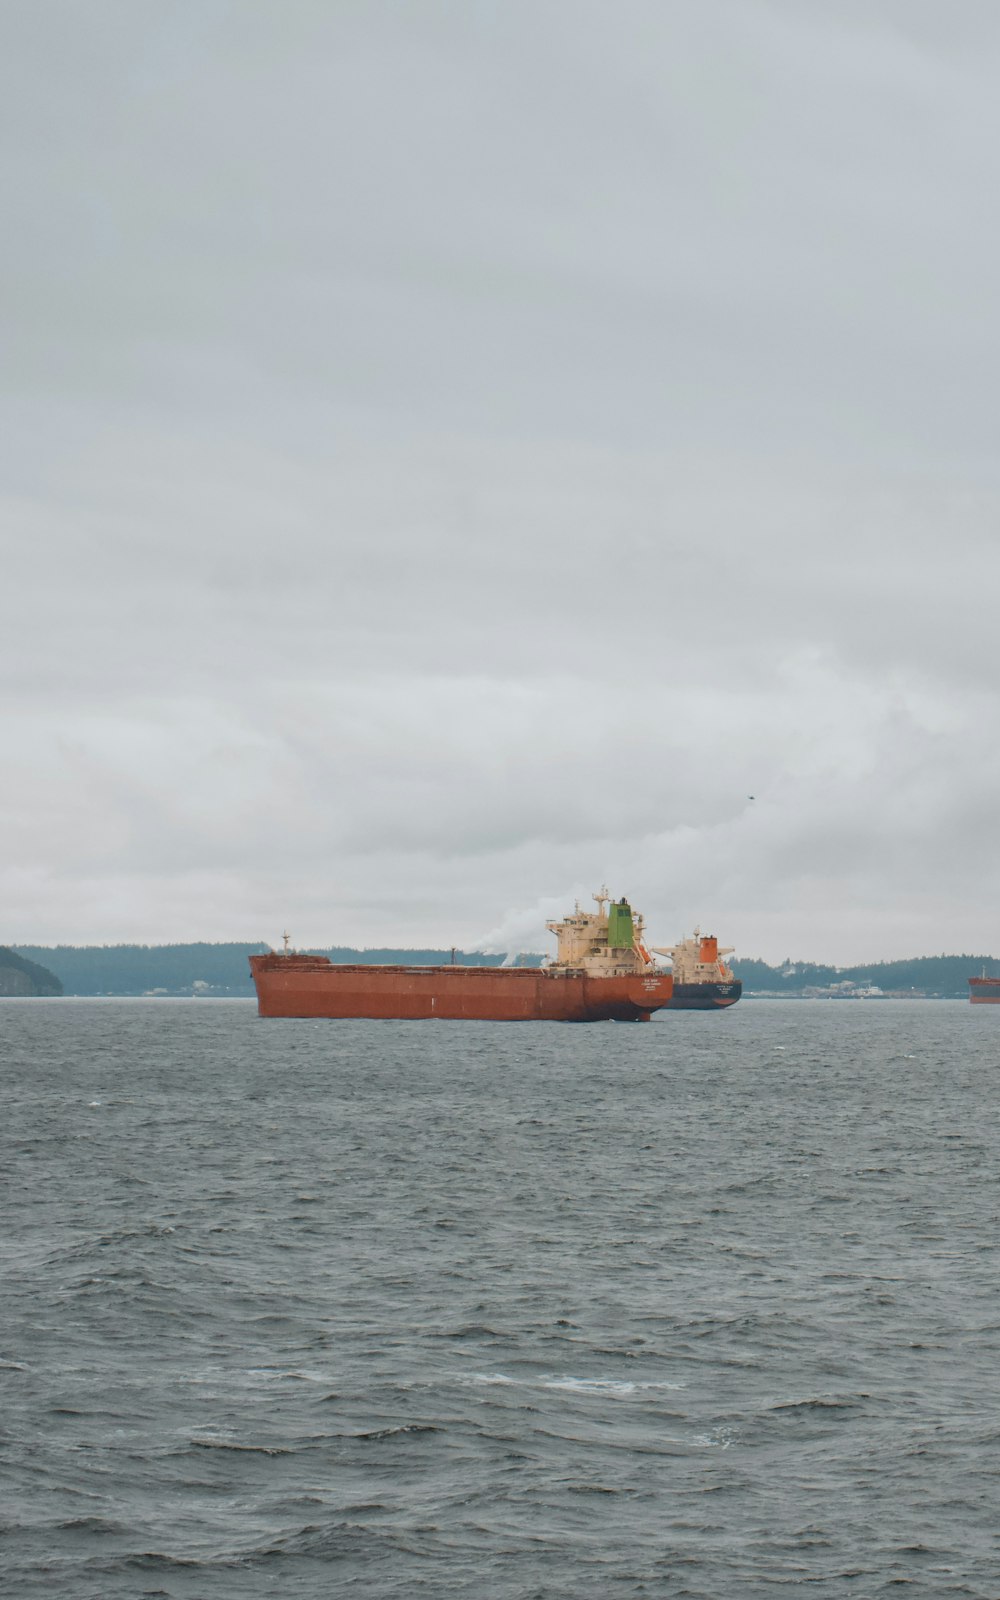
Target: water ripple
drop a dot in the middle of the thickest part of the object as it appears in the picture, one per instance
(709, 1308)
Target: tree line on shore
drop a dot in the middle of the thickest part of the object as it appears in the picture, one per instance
(941, 977)
(222, 969)
(205, 969)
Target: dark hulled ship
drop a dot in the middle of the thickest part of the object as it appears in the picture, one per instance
(702, 980)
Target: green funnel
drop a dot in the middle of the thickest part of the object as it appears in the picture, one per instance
(621, 933)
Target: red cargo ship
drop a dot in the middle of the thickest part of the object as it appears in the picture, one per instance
(602, 973)
(984, 991)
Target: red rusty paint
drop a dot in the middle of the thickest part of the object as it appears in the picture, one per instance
(312, 986)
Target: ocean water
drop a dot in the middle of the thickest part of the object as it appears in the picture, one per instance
(709, 1308)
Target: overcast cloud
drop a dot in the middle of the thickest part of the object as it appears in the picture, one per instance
(455, 454)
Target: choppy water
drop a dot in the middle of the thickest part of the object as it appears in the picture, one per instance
(706, 1308)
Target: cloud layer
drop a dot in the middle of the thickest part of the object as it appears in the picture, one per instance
(456, 456)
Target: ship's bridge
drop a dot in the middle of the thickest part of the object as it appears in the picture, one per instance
(606, 942)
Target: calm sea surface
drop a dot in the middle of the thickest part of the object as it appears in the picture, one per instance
(709, 1308)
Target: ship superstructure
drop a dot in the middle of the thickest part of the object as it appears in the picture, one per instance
(605, 943)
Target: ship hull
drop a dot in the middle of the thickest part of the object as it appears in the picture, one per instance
(704, 996)
(311, 986)
(984, 991)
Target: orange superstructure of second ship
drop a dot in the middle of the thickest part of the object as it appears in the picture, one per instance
(602, 973)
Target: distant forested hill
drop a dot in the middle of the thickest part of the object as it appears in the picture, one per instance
(131, 969)
(938, 976)
(208, 969)
(221, 969)
(24, 978)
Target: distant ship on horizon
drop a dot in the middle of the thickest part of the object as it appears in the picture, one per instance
(984, 991)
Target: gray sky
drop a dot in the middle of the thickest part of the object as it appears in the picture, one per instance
(455, 453)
